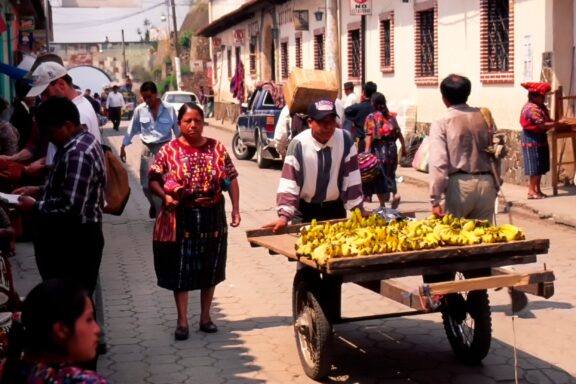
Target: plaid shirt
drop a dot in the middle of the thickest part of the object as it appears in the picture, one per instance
(76, 182)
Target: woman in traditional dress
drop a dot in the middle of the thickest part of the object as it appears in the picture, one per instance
(535, 121)
(382, 131)
(55, 339)
(190, 174)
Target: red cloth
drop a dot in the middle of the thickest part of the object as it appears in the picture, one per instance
(541, 88)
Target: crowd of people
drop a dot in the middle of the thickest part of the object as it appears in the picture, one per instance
(51, 156)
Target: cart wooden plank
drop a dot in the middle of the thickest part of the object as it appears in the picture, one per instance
(284, 244)
(506, 280)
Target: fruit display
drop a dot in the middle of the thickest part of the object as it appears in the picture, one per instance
(373, 235)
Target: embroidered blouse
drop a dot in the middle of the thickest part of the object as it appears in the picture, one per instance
(197, 171)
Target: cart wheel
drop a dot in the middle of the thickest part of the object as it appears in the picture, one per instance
(312, 329)
(468, 324)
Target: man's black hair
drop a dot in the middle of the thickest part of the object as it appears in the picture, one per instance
(456, 89)
(22, 87)
(55, 112)
(148, 86)
(369, 88)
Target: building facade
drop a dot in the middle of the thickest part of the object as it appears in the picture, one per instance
(406, 47)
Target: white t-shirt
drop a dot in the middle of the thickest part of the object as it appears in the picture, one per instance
(87, 118)
(350, 100)
(115, 100)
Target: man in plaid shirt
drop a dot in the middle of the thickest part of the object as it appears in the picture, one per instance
(68, 215)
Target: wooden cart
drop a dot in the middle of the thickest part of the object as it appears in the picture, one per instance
(463, 302)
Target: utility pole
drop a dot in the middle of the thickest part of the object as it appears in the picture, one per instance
(124, 56)
(176, 48)
(332, 39)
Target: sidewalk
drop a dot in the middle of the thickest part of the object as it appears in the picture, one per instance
(553, 208)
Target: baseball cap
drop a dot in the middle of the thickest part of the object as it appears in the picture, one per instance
(320, 109)
(44, 75)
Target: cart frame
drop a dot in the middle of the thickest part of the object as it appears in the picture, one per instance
(464, 304)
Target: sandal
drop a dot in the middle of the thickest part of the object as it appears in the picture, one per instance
(535, 196)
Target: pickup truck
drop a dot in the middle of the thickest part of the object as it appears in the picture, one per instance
(255, 129)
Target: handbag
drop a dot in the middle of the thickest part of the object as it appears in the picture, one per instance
(368, 166)
(117, 190)
(421, 158)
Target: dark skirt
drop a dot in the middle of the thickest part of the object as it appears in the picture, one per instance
(197, 259)
(536, 153)
(387, 153)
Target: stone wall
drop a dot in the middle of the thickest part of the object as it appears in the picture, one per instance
(513, 164)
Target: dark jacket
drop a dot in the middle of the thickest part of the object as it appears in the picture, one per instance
(22, 120)
(357, 113)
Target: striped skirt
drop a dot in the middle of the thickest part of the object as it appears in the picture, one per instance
(536, 153)
(198, 257)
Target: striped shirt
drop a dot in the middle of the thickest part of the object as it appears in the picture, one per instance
(76, 182)
(317, 173)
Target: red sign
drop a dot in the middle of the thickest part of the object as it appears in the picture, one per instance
(238, 35)
(216, 42)
(360, 7)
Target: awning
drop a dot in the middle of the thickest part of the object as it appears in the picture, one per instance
(235, 17)
(14, 72)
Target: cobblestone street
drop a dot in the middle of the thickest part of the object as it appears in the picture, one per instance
(252, 308)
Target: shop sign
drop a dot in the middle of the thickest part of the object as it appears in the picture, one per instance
(238, 36)
(27, 23)
(216, 42)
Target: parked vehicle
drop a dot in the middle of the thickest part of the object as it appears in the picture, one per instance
(255, 128)
(178, 98)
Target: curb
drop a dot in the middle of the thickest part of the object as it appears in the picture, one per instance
(217, 125)
(518, 208)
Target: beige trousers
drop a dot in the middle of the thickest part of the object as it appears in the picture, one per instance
(471, 196)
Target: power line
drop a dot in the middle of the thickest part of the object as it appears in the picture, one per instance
(95, 23)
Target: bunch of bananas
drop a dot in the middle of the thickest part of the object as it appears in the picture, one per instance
(371, 235)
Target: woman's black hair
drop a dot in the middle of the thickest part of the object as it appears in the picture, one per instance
(187, 106)
(50, 302)
(378, 100)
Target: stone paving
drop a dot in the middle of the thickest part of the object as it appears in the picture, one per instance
(252, 308)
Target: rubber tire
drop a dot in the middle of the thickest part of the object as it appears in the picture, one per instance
(477, 309)
(306, 298)
(244, 152)
(261, 162)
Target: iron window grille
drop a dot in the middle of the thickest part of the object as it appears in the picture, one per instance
(298, 44)
(284, 58)
(498, 35)
(386, 53)
(252, 48)
(426, 53)
(354, 53)
(319, 51)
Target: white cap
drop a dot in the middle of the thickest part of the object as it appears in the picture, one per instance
(44, 75)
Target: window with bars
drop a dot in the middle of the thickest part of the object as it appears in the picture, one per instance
(385, 44)
(284, 59)
(229, 57)
(498, 18)
(298, 47)
(426, 52)
(252, 49)
(319, 51)
(215, 67)
(354, 54)
(238, 53)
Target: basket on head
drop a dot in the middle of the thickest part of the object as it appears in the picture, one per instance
(368, 166)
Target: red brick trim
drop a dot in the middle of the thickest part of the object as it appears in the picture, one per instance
(486, 76)
(420, 79)
(284, 58)
(319, 31)
(298, 49)
(387, 17)
(284, 39)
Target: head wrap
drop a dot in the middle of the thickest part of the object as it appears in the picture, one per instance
(541, 88)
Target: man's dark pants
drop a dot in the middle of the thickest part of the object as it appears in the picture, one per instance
(115, 114)
(67, 249)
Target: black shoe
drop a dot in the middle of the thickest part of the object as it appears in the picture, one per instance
(209, 327)
(181, 333)
(152, 212)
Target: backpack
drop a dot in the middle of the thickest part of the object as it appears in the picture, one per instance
(117, 189)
